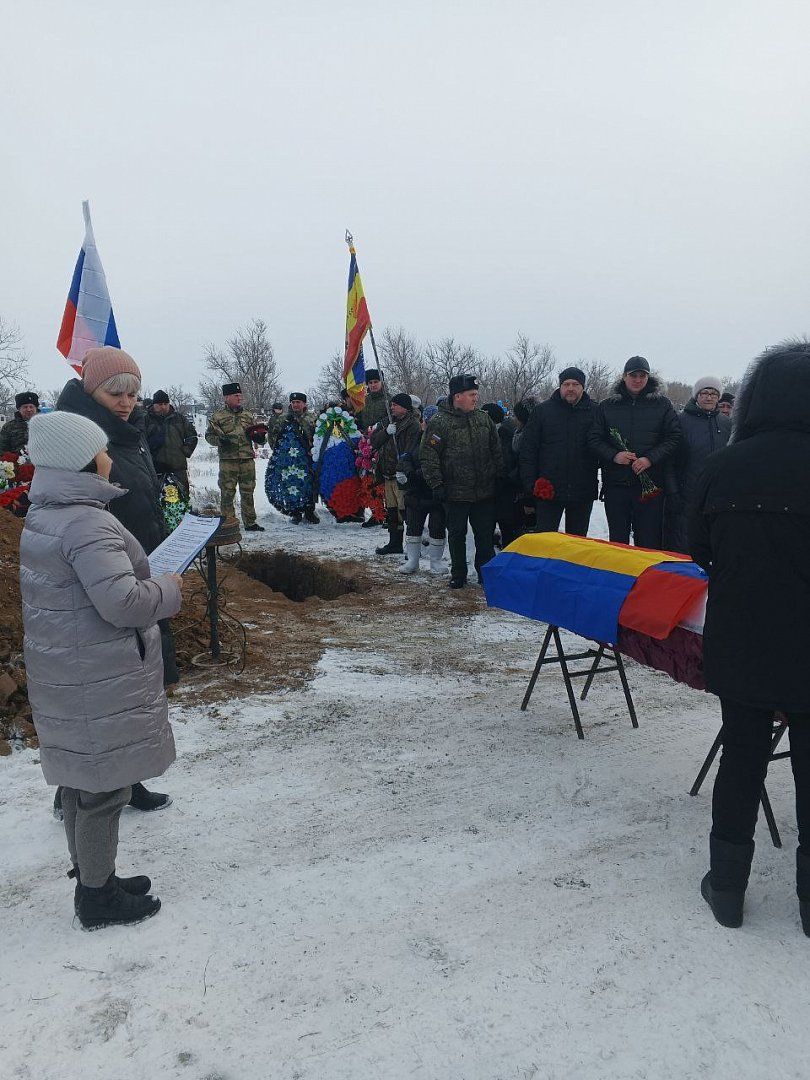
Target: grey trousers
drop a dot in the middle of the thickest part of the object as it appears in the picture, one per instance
(91, 826)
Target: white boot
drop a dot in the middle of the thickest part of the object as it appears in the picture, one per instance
(436, 555)
(413, 549)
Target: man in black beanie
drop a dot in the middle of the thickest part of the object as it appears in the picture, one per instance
(14, 434)
(393, 441)
(172, 438)
(554, 449)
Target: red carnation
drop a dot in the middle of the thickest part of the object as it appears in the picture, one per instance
(8, 456)
(543, 489)
(24, 473)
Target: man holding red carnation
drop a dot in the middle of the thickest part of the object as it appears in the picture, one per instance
(557, 467)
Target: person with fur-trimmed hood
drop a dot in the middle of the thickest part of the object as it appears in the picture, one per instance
(750, 529)
(636, 431)
(14, 433)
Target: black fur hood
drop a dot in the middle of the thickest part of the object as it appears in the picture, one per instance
(651, 390)
(775, 392)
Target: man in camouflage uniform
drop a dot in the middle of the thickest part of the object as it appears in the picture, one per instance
(461, 461)
(14, 434)
(375, 409)
(303, 423)
(233, 431)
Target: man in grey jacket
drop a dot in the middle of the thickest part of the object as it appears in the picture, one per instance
(93, 657)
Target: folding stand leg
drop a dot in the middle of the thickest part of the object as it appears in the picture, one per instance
(596, 662)
(536, 671)
(569, 686)
(707, 764)
(768, 811)
(627, 695)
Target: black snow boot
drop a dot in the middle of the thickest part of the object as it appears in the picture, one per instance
(296, 518)
(456, 583)
(803, 887)
(723, 888)
(255, 527)
(112, 906)
(147, 801)
(135, 886)
(395, 535)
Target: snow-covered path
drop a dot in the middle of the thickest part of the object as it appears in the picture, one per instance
(395, 873)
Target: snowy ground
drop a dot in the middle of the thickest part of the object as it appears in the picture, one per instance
(396, 873)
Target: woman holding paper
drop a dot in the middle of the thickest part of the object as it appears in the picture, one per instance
(107, 394)
(92, 657)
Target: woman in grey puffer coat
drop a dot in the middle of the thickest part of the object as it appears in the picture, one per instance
(93, 656)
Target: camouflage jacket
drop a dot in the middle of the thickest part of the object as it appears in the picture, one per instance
(14, 435)
(303, 423)
(374, 411)
(408, 436)
(227, 432)
(461, 452)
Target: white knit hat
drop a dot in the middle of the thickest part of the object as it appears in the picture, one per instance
(63, 440)
(708, 382)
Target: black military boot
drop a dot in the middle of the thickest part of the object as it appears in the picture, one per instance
(112, 906)
(394, 545)
(135, 886)
(296, 518)
(255, 527)
(723, 888)
(803, 887)
(147, 801)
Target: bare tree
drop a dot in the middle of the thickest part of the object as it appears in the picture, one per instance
(405, 365)
(599, 378)
(209, 392)
(13, 361)
(731, 384)
(329, 382)
(181, 398)
(446, 358)
(248, 359)
(678, 392)
(525, 371)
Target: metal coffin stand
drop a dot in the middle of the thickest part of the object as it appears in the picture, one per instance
(588, 674)
(779, 728)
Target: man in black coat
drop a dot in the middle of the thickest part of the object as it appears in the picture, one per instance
(172, 438)
(704, 429)
(750, 529)
(637, 415)
(554, 447)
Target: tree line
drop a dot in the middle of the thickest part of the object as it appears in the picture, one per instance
(527, 369)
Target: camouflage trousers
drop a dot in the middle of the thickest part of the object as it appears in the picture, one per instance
(242, 473)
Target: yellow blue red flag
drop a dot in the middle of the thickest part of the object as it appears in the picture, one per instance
(358, 323)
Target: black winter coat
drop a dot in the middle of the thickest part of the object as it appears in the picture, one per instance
(139, 510)
(555, 446)
(172, 440)
(650, 427)
(750, 529)
(703, 433)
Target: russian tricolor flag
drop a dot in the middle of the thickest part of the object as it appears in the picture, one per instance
(88, 320)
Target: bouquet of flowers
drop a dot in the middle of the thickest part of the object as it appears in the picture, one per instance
(174, 502)
(16, 474)
(372, 490)
(543, 489)
(649, 489)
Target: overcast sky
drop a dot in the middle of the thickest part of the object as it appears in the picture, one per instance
(609, 178)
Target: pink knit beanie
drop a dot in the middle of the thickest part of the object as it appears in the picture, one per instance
(101, 364)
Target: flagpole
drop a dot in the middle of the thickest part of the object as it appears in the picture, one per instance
(350, 242)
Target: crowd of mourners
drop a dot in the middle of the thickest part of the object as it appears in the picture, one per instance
(98, 643)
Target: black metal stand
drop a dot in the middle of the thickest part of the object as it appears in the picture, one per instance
(779, 729)
(213, 592)
(564, 659)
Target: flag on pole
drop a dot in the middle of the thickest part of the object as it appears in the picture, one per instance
(358, 322)
(88, 320)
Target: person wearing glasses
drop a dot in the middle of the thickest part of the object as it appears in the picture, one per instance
(705, 429)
